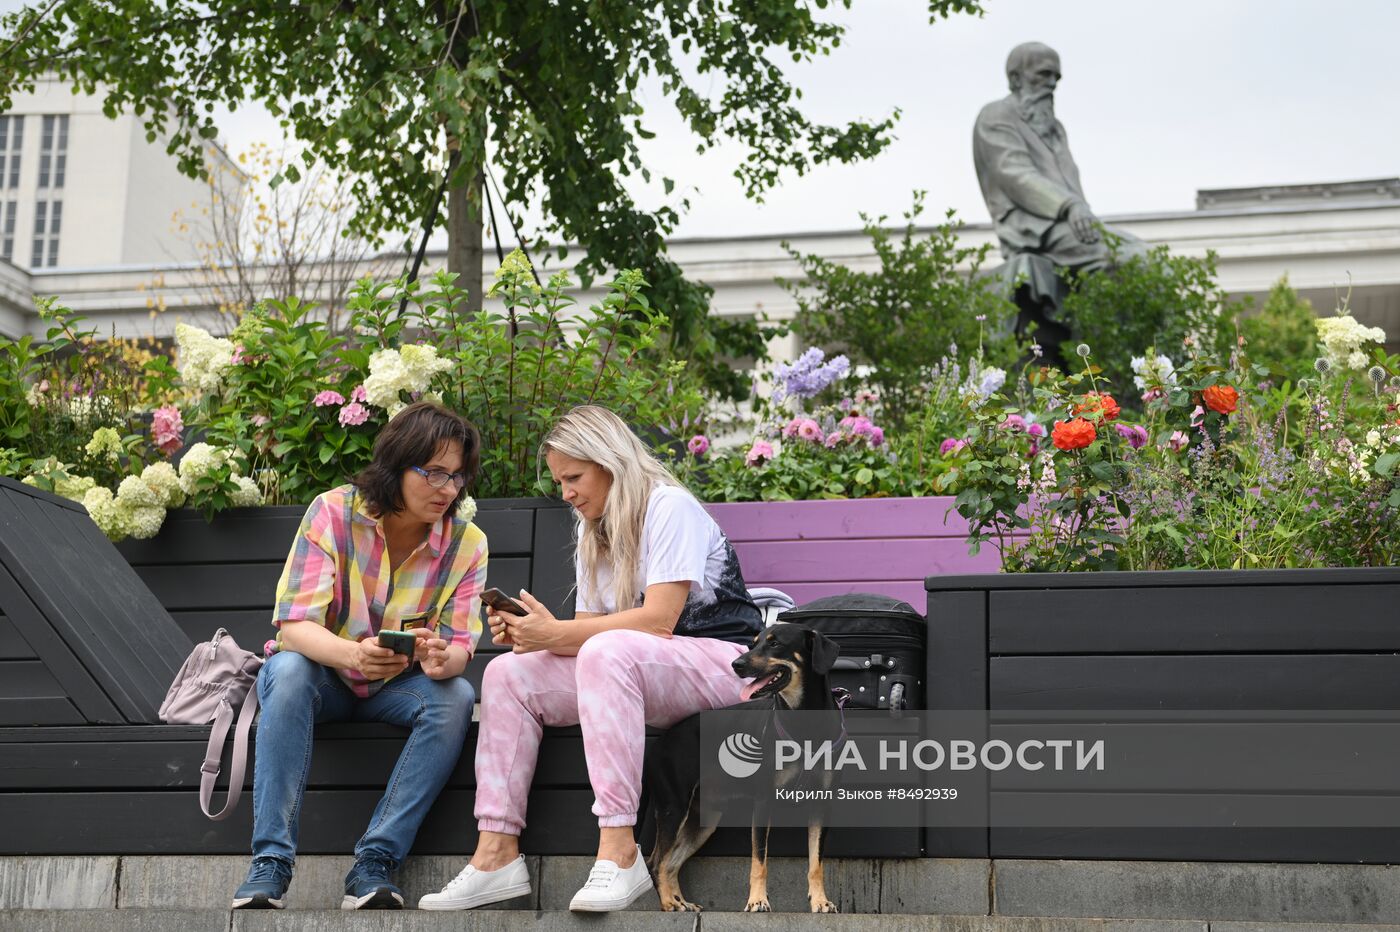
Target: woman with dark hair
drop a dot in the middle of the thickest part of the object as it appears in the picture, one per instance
(395, 550)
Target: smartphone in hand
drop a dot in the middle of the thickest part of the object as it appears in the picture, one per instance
(400, 642)
(503, 603)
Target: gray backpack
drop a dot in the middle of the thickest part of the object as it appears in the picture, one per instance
(217, 678)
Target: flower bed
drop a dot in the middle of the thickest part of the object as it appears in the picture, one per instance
(819, 548)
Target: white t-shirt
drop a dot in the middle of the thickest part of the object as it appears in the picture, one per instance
(682, 543)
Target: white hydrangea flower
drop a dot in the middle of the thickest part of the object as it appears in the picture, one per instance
(105, 442)
(142, 522)
(387, 377)
(102, 508)
(467, 509)
(422, 360)
(204, 360)
(198, 461)
(161, 478)
(74, 487)
(248, 494)
(1342, 339)
(410, 369)
(134, 493)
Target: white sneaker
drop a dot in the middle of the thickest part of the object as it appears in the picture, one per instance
(472, 888)
(610, 888)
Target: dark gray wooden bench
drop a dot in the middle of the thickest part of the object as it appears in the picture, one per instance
(91, 637)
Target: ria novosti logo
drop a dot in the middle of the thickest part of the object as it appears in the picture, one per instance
(740, 755)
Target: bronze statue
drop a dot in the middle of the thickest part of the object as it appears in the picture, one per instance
(1032, 189)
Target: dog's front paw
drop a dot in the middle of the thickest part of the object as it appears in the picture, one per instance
(677, 904)
(758, 906)
(824, 906)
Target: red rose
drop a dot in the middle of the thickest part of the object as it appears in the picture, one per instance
(1100, 403)
(1074, 434)
(1221, 399)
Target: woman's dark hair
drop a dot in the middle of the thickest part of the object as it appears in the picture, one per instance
(412, 438)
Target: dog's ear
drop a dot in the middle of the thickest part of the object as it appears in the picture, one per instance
(822, 650)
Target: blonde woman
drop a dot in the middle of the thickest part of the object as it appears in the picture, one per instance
(662, 614)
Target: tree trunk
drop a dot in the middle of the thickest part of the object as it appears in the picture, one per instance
(464, 228)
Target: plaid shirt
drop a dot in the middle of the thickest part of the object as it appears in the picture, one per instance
(338, 575)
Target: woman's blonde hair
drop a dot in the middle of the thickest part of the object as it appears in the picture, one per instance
(596, 435)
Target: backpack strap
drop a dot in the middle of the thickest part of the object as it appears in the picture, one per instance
(238, 763)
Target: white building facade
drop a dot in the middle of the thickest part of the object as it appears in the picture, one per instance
(1329, 239)
(81, 191)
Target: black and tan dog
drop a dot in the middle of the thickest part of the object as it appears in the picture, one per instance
(788, 664)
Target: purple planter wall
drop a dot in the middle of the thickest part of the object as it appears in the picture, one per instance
(820, 548)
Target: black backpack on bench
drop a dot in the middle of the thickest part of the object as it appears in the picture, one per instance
(882, 643)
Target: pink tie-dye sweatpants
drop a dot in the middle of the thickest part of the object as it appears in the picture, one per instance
(620, 682)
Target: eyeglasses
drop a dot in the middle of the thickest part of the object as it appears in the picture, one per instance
(437, 478)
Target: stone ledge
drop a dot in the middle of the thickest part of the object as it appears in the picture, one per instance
(1270, 893)
(58, 882)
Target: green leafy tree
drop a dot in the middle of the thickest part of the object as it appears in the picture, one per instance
(907, 316)
(1283, 335)
(384, 92)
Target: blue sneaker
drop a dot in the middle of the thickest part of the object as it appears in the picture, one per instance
(368, 886)
(266, 886)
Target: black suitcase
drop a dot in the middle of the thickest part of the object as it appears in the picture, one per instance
(882, 643)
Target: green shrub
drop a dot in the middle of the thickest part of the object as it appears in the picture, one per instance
(925, 302)
(1282, 337)
(1156, 300)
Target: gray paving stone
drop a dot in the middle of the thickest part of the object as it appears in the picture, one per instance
(1229, 926)
(775, 922)
(1269, 893)
(936, 886)
(58, 883)
(318, 882)
(466, 921)
(722, 884)
(114, 920)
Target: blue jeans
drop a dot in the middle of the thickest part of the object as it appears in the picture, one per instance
(296, 693)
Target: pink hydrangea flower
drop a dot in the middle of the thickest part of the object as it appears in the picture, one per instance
(353, 414)
(327, 398)
(760, 453)
(698, 444)
(1178, 441)
(238, 357)
(1035, 430)
(166, 429)
(1135, 434)
(259, 420)
(1014, 422)
(951, 445)
(358, 394)
(808, 430)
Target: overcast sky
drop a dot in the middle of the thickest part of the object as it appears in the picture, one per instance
(1159, 98)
